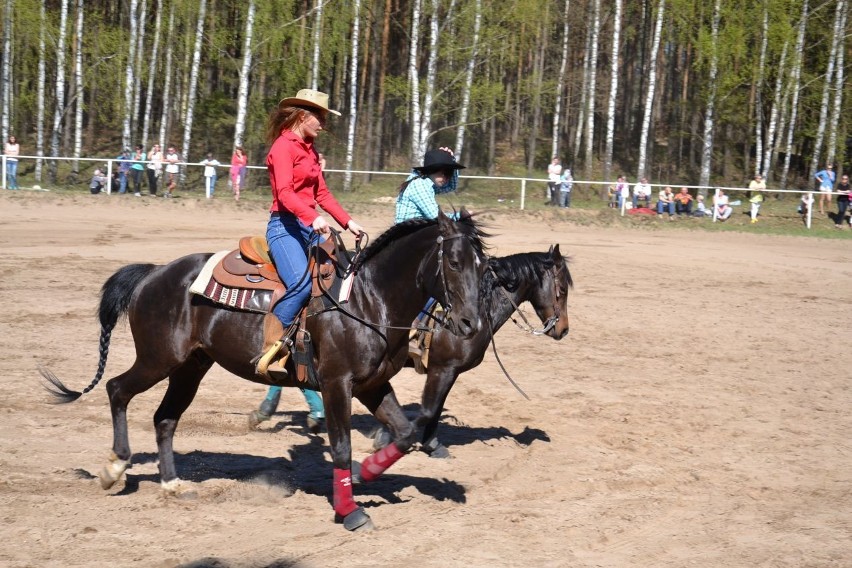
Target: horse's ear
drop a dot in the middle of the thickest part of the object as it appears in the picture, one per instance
(554, 252)
(445, 224)
(464, 213)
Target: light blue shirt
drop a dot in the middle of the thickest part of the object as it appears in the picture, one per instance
(417, 200)
(826, 178)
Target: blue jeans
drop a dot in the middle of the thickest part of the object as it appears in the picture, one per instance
(12, 174)
(665, 206)
(288, 240)
(122, 182)
(211, 180)
(314, 400)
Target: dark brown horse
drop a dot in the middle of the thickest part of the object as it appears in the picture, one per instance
(540, 278)
(179, 336)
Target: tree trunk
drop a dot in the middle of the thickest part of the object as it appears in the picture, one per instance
(794, 86)
(78, 89)
(6, 72)
(380, 103)
(165, 129)
(414, 81)
(429, 83)
(836, 115)
(129, 79)
(317, 37)
(42, 88)
(193, 84)
(353, 95)
(758, 92)
(560, 82)
(826, 87)
(593, 73)
(772, 128)
(584, 92)
(245, 70)
(59, 109)
(152, 67)
(649, 96)
(709, 114)
(137, 76)
(468, 81)
(613, 92)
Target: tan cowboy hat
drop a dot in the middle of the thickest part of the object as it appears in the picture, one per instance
(309, 98)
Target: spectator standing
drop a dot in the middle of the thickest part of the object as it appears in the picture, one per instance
(438, 174)
(124, 163)
(136, 170)
(12, 150)
(322, 163)
(843, 191)
(554, 172)
(565, 187)
(172, 159)
(683, 202)
(723, 208)
(622, 191)
(756, 188)
(826, 186)
(155, 168)
(210, 177)
(666, 202)
(239, 160)
(642, 192)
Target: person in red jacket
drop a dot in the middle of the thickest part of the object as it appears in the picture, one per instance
(297, 188)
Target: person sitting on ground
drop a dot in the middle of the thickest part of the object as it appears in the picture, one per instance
(722, 205)
(683, 202)
(642, 192)
(700, 208)
(98, 182)
(666, 202)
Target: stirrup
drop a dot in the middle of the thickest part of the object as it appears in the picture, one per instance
(269, 359)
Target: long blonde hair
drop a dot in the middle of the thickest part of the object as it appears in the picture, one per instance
(283, 118)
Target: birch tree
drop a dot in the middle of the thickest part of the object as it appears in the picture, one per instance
(193, 82)
(709, 124)
(429, 83)
(129, 75)
(167, 82)
(245, 69)
(139, 66)
(317, 36)
(826, 86)
(584, 91)
(593, 73)
(152, 67)
(838, 90)
(414, 80)
(6, 71)
(468, 81)
(560, 81)
(795, 79)
(78, 88)
(761, 64)
(42, 88)
(772, 127)
(59, 110)
(613, 91)
(649, 96)
(353, 95)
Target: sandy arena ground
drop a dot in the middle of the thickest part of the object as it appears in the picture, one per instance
(696, 415)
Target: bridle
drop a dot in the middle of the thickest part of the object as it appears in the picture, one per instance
(550, 322)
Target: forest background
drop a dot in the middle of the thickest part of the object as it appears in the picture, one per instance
(681, 91)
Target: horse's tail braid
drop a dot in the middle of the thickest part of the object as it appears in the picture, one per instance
(116, 294)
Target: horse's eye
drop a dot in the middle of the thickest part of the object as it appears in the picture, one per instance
(454, 265)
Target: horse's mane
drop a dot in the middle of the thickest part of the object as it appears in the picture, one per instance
(510, 271)
(475, 234)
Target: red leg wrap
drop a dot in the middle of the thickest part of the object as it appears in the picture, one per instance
(377, 463)
(343, 501)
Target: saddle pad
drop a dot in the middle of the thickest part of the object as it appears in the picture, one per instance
(238, 298)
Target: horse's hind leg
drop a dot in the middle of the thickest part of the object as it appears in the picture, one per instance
(385, 407)
(183, 385)
(435, 392)
(121, 390)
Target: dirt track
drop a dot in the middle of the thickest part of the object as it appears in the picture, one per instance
(696, 415)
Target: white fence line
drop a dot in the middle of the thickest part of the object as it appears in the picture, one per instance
(522, 180)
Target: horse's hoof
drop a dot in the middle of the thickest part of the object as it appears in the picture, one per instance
(178, 489)
(357, 520)
(255, 418)
(440, 452)
(355, 473)
(381, 438)
(112, 471)
(315, 424)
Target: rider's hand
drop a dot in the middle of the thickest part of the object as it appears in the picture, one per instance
(354, 228)
(320, 225)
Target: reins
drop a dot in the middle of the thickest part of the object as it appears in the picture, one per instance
(527, 326)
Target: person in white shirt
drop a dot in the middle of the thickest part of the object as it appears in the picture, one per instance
(723, 209)
(172, 169)
(210, 176)
(554, 173)
(642, 192)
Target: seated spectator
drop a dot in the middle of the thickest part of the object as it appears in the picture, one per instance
(722, 205)
(98, 182)
(642, 192)
(805, 204)
(683, 202)
(701, 209)
(666, 202)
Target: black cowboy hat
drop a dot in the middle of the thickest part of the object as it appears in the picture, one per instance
(437, 160)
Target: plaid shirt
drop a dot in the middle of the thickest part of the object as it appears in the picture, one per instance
(417, 200)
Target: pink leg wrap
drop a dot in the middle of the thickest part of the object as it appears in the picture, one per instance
(377, 463)
(343, 501)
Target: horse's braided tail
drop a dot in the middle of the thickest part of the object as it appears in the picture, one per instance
(116, 294)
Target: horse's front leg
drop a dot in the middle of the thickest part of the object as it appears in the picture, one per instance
(439, 382)
(385, 407)
(337, 397)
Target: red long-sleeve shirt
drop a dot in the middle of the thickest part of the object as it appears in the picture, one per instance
(297, 182)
